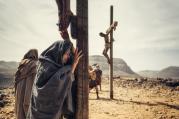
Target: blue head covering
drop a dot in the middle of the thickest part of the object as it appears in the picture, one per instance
(51, 60)
(55, 52)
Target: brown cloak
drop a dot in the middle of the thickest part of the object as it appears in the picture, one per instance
(24, 79)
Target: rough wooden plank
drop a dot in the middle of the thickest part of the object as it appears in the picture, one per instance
(82, 110)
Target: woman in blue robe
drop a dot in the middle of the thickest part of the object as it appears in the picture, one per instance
(51, 94)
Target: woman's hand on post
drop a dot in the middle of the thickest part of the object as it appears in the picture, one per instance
(77, 57)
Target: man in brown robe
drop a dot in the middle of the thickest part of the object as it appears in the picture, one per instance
(92, 80)
(24, 79)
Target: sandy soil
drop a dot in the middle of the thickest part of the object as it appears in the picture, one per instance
(130, 102)
(135, 102)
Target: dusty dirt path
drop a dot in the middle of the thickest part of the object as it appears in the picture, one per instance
(134, 103)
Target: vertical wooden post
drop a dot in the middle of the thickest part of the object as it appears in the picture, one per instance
(82, 71)
(111, 55)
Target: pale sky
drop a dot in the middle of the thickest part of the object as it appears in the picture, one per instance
(147, 36)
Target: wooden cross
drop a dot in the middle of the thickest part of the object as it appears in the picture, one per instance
(80, 32)
(109, 46)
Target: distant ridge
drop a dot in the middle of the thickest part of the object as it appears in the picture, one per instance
(168, 72)
(7, 71)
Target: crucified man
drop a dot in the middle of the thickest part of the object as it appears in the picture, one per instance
(107, 45)
(64, 14)
(107, 40)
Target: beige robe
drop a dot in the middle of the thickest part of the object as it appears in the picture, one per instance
(24, 80)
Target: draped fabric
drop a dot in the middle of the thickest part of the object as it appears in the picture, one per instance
(51, 94)
(24, 79)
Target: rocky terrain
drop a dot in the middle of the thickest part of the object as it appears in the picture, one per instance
(133, 99)
(7, 101)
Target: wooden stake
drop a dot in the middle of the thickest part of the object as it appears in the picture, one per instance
(111, 55)
(82, 71)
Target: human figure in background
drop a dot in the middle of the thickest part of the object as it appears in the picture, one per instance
(98, 72)
(24, 79)
(92, 80)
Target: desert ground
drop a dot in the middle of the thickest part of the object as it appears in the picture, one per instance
(133, 99)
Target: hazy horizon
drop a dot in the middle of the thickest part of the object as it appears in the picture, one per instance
(147, 37)
(114, 58)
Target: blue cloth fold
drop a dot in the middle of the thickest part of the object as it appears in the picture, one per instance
(51, 93)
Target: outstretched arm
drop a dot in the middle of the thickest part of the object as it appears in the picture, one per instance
(106, 39)
(112, 27)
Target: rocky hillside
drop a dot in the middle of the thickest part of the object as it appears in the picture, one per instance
(169, 72)
(120, 66)
(148, 73)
